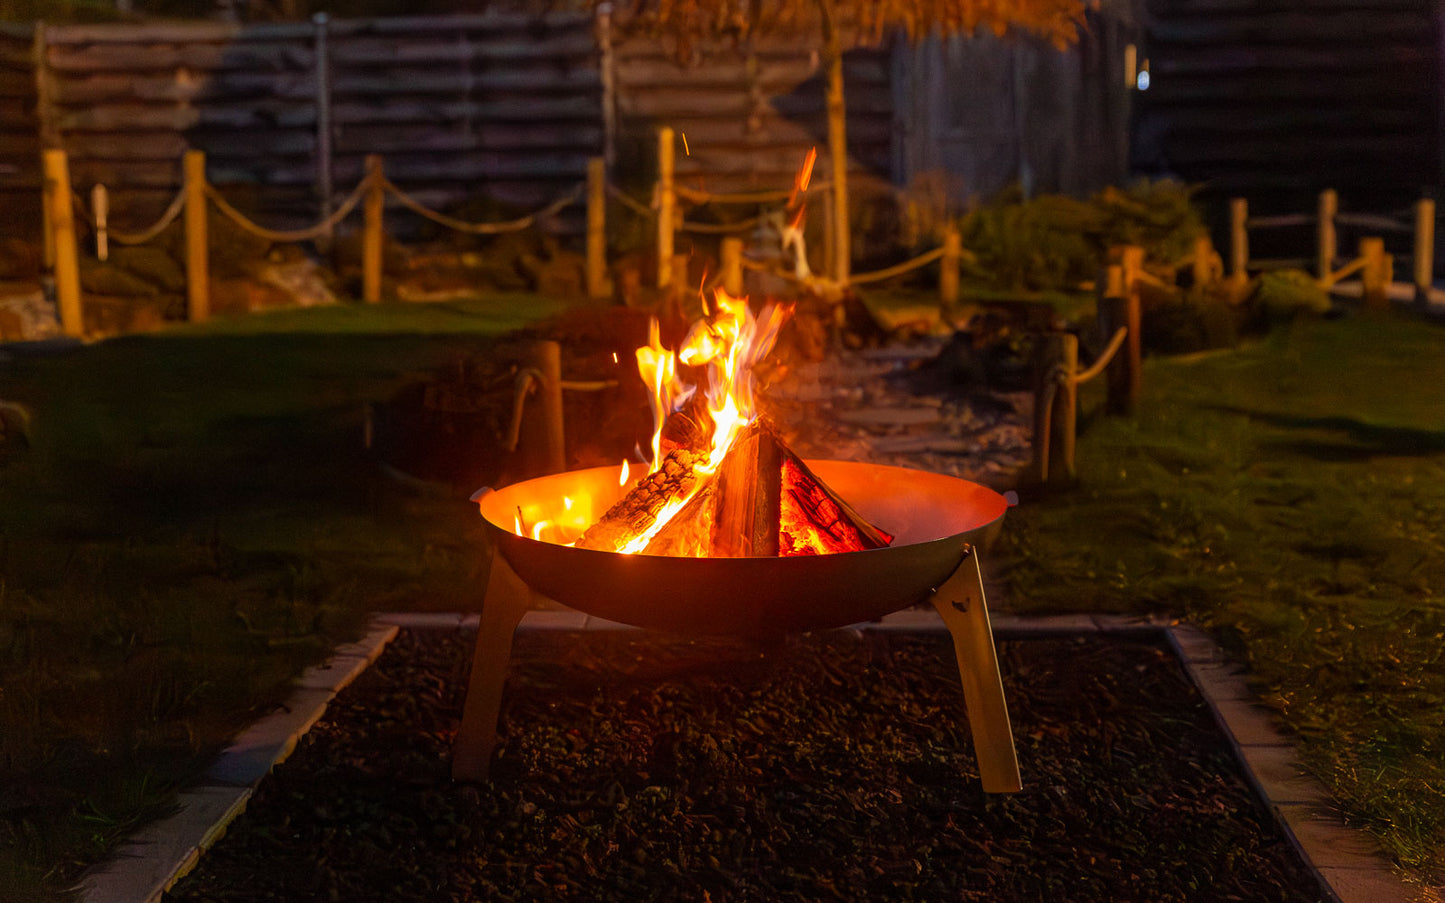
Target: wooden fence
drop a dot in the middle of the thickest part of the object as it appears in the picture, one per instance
(1374, 266)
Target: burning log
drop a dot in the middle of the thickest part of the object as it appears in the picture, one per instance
(762, 502)
(638, 510)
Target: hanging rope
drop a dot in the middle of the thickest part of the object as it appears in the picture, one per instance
(898, 270)
(178, 203)
(317, 231)
(721, 228)
(697, 196)
(630, 203)
(459, 225)
(1098, 367)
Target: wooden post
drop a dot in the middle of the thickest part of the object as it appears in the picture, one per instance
(1375, 277)
(948, 268)
(100, 206)
(1131, 262)
(732, 265)
(1238, 241)
(543, 441)
(837, 145)
(198, 274)
(597, 228)
(1114, 313)
(666, 205)
(1200, 268)
(1054, 424)
(1326, 243)
(67, 255)
(373, 234)
(1424, 259)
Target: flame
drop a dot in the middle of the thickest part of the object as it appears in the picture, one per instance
(622, 479)
(728, 345)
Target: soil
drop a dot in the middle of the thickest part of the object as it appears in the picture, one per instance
(638, 766)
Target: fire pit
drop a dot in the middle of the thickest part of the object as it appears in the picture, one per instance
(937, 521)
(729, 532)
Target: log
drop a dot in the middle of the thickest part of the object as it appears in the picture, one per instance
(749, 504)
(808, 498)
(637, 510)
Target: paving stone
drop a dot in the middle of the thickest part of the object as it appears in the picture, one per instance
(908, 619)
(1372, 885)
(1328, 841)
(162, 852)
(270, 740)
(369, 646)
(1277, 771)
(1131, 622)
(1043, 624)
(422, 620)
(1220, 681)
(1195, 645)
(332, 674)
(1249, 723)
(592, 623)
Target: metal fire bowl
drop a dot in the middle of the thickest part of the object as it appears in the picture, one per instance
(934, 518)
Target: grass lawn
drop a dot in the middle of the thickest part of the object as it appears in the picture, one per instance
(195, 521)
(1290, 497)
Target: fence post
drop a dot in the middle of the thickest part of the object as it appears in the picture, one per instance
(542, 439)
(1238, 241)
(1131, 264)
(1375, 277)
(198, 275)
(1326, 242)
(1424, 258)
(1054, 425)
(1200, 266)
(666, 205)
(1121, 376)
(61, 217)
(597, 228)
(948, 268)
(373, 234)
(732, 265)
(100, 206)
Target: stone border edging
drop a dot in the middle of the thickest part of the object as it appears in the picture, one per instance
(1349, 864)
(143, 868)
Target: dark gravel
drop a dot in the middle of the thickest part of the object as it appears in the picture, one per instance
(830, 766)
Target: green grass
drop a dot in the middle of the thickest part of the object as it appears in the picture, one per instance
(195, 521)
(1291, 498)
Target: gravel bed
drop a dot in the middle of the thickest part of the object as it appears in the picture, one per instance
(831, 766)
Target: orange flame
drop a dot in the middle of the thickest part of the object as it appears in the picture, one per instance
(728, 345)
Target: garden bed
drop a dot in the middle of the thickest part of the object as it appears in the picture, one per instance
(827, 766)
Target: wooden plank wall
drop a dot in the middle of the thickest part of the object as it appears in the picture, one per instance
(1277, 99)
(501, 106)
(979, 113)
(19, 128)
(750, 113)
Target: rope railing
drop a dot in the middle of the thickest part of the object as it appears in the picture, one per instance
(898, 269)
(319, 230)
(1105, 358)
(722, 228)
(477, 228)
(631, 203)
(170, 215)
(766, 196)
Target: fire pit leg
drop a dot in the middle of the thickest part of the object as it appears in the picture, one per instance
(960, 601)
(507, 599)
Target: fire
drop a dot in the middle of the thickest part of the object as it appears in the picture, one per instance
(727, 345)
